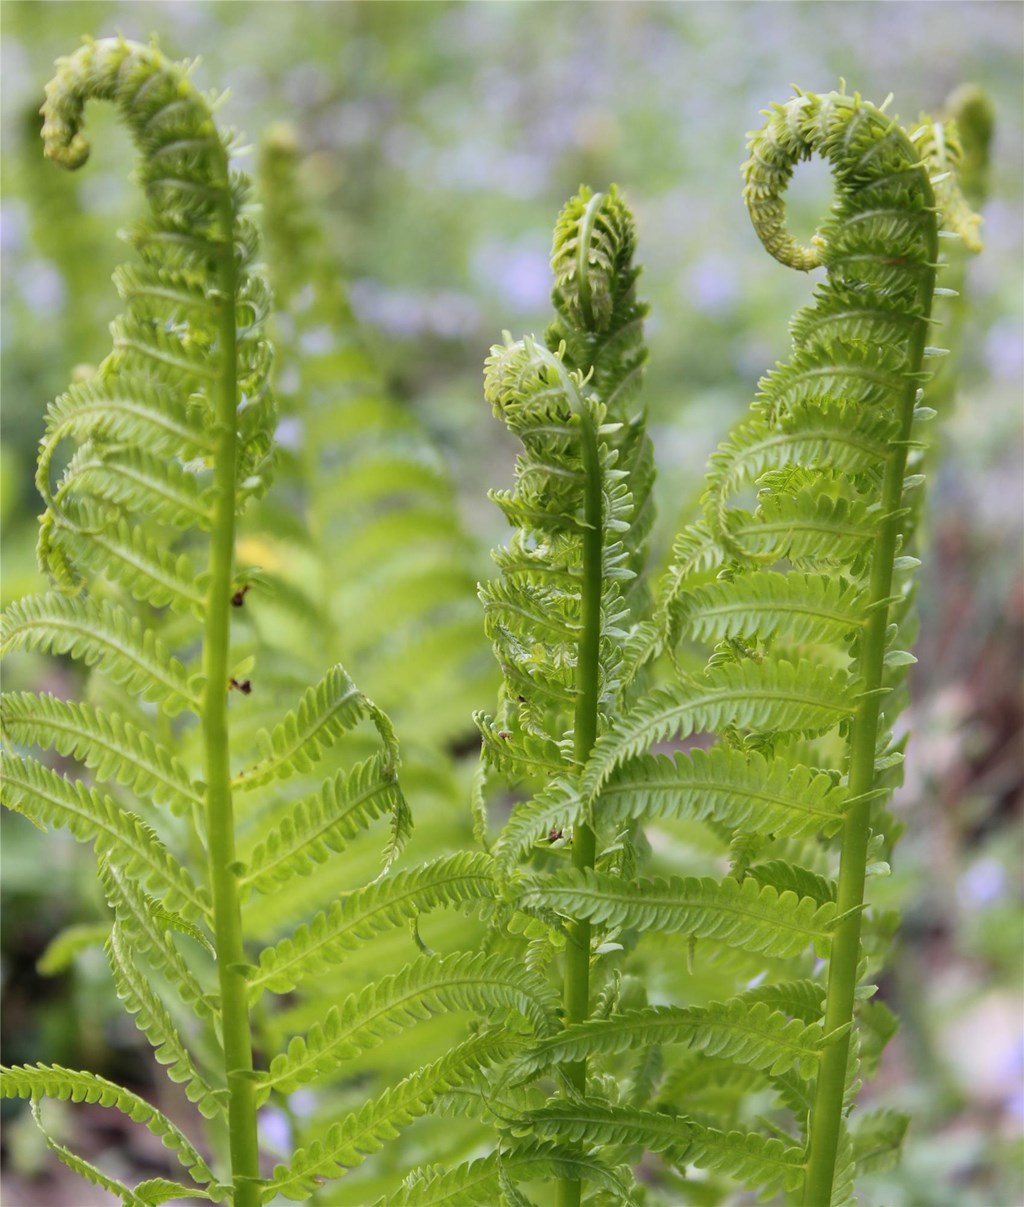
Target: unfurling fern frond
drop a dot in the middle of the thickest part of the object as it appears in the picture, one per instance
(144, 468)
(808, 512)
(571, 587)
(173, 343)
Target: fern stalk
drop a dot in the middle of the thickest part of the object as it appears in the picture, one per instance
(227, 914)
(584, 845)
(827, 1112)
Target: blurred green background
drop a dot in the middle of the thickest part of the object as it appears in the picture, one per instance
(444, 138)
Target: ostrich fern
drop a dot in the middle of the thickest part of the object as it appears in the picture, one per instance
(198, 813)
(218, 821)
(802, 600)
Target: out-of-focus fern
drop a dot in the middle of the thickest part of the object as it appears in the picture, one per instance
(370, 481)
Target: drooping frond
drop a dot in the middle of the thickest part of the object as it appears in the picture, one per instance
(323, 714)
(149, 927)
(322, 825)
(151, 1017)
(47, 798)
(85, 1169)
(69, 1085)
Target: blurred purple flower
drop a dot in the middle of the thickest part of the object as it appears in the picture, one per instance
(982, 883)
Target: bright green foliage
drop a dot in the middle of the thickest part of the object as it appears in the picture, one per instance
(682, 901)
(799, 594)
(170, 439)
(368, 480)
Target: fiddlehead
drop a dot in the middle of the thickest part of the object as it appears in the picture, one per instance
(599, 320)
(145, 423)
(557, 615)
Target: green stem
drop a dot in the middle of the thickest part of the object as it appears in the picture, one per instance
(827, 1112)
(588, 686)
(227, 914)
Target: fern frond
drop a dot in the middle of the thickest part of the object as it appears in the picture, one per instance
(185, 386)
(427, 986)
(451, 880)
(168, 344)
(749, 1033)
(124, 553)
(591, 258)
(808, 608)
(822, 437)
(773, 697)
(785, 876)
(752, 1159)
(112, 748)
(100, 632)
(744, 790)
(47, 798)
(528, 755)
(600, 325)
(70, 1085)
(348, 1142)
(145, 415)
(740, 914)
(323, 824)
(151, 1017)
(375, 486)
(813, 527)
(478, 1181)
(166, 492)
(323, 714)
(85, 1169)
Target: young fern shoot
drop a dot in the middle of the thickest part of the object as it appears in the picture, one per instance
(832, 443)
(173, 434)
(556, 615)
